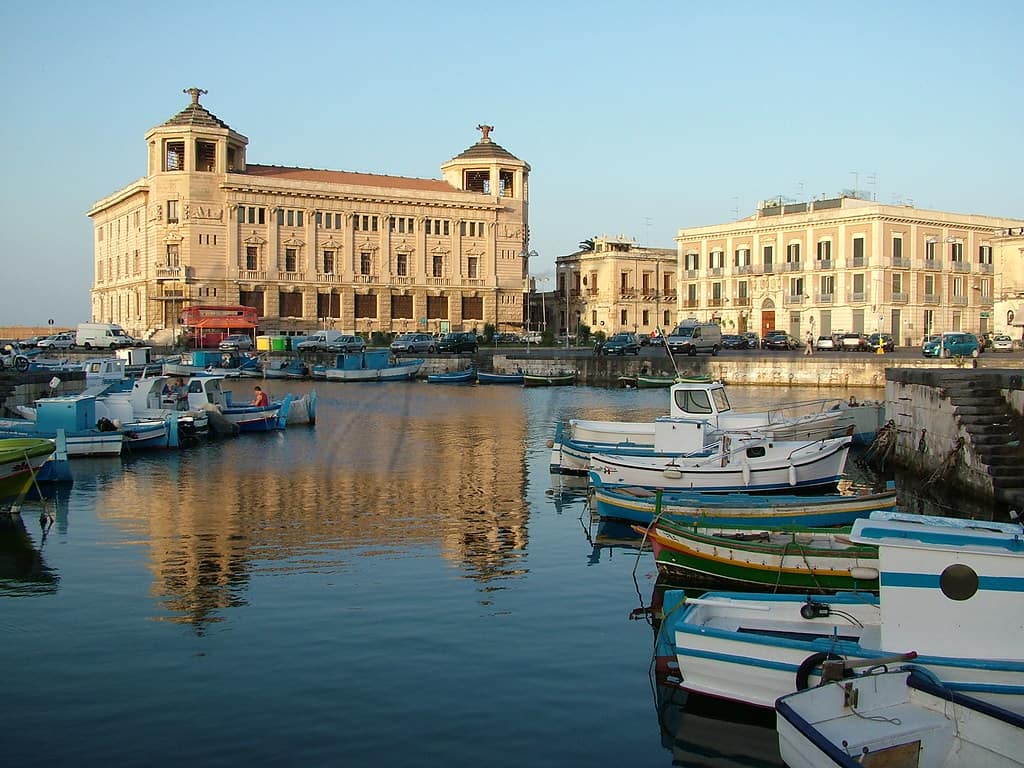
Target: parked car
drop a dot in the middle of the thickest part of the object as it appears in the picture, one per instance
(753, 342)
(457, 342)
(769, 334)
(348, 343)
(57, 341)
(324, 341)
(413, 343)
(734, 341)
(236, 341)
(533, 337)
(852, 342)
(825, 344)
(621, 344)
(507, 338)
(782, 340)
(953, 344)
(31, 342)
(884, 340)
(1002, 343)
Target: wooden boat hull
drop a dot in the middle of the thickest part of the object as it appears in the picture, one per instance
(467, 376)
(639, 505)
(816, 559)
(898, 717)
(783, 467)
(402, 371)
(20, 458)
(483, 377)
(552, 380)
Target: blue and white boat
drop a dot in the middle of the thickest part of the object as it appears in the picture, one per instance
(951, 592)
(151, 398)
(286, 368)
(898, 717)
(76, 416)
(466, 376)
(206, 393)
(372, 365)
(642, 506)
(735, 463)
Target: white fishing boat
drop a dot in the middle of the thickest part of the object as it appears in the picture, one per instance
(899, 717)
(706, 403)
(155, 397)
(735, 463)
(951, 591)
(207, 392)
(74, 414)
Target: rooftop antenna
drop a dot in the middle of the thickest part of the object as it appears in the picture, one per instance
(735, 206)
(647, 223)
(872, 180)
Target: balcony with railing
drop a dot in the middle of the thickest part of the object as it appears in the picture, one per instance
(444, 282)
(793, 266)
(931, 298)
(825, 298)
(715, 271)
(900, 298)
(900, 262)
(985, 269)
(328, 277)
(741, 301)
(932, 264)
(402, 280)
(691, 303)
(768, 268)
(858, 261)
(252, 275)
(692, 274)
(959, 301)
(292, 277)
(716, 301)
(793, 299)
(166, 272)
(743, 269)
(824, 264)
(961, 266)
(856, 297)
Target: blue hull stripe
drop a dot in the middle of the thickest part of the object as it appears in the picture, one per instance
(931, 581)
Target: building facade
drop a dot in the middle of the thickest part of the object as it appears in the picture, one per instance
(616, 286)
(310, 248)
(844, 265)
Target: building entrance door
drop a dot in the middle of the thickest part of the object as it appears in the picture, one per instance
(767, 321)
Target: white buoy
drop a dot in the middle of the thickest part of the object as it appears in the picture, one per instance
(792, 475)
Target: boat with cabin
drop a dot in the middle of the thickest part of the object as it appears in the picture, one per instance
(207, 392)
(950, 591)
(75, 415)
(373, 365)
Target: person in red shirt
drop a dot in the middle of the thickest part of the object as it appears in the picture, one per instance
(260, 398)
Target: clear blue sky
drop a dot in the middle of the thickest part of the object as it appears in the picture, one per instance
(637, 119)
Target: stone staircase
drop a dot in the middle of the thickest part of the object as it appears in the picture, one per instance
(995, 432)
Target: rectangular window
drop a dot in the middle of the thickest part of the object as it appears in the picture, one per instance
(796, 287)
(290, 217)
(241, 214)
(624, 281)
(793, 253)
(437, 266)
(825, 250)
(318, 219)
(858, 251)
(328, 262)
(984, 254)
(897, 248)
(717, 260)
(858, 283)
(742, 257)
(929, 285)
(290, 259)
(364, 263)
(827, 285)
(471, 267)
(172, 211)
(172, 255)
(768, 252)
(692, 262)
(251, 258)
(206, 156)
(402, 264)
(956, 252)
(958, 286)
(897, 282)
(328, 305)
(623, 318)
(929, 250)
(174, 157)
(289, 304)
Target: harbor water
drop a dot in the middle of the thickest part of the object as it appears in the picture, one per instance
(403, 584)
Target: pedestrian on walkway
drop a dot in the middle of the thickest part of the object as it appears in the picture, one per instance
(809, 350)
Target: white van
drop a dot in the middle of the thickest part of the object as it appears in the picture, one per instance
(101, 336)
(692, 337)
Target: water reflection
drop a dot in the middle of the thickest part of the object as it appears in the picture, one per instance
(23, 570)
(386, 469)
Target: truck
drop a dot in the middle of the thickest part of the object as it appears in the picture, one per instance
(101, 336)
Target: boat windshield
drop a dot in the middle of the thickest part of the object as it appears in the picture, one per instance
(693, 400)
(721, 399)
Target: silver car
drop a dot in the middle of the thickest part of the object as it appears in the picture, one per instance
(414, 343)
(57, 341)
(237, 341)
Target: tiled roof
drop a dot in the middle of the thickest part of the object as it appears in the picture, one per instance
(487, 150)
(348, 177)
(196, 114)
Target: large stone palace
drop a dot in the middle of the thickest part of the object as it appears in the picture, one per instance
(310, 248)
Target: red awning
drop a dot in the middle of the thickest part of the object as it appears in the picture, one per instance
(224, 322)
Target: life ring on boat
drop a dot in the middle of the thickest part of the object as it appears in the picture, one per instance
(808, 665)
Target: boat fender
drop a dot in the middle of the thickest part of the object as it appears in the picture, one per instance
(803, 672)
(672, 473)
(792, 475)
(745, 471)
(864, 573)
(550, 443)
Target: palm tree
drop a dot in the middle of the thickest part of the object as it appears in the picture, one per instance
(587, 245)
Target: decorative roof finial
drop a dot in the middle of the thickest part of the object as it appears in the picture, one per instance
(194, 93)
(486, 131)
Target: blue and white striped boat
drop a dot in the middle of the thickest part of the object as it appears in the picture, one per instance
(951, 591)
